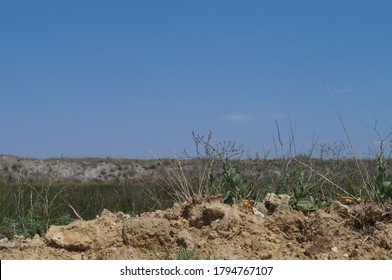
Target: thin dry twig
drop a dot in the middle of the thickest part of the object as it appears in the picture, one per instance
(325, 178)
(332, 98)
(75, 212)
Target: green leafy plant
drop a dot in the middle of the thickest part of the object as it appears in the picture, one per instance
(352, 191)
(351, 194)
(382, 186)
(188, 175)
(239, 188)
(233, 187)
(301, 198)
(186, 254)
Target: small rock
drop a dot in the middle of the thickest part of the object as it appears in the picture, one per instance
(257, 212)
(272, 201)
(77, 257)
(184, 239)
(260, 207)
(201, 215)
(77, 236)
(106, 213)
(343, 210)
(213, 235)
(355, 253)
(334, 249)
(6, 244)
(245, 233)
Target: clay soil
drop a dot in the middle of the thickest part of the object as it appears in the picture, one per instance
(268, 230)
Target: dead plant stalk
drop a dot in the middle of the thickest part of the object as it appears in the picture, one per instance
(324, 177)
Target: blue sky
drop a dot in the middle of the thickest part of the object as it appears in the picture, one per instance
(135, 78)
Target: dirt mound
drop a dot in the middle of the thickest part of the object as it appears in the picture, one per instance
(268, 230)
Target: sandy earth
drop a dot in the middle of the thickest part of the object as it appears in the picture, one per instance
(267, 230)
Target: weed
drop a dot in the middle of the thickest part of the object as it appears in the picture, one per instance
(381, 188)
(186, 176)
(186, 254)
(239, 188)
(29, 209)
(301, 199)
(34, 211)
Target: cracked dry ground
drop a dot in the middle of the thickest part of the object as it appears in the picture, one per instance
(269, 230)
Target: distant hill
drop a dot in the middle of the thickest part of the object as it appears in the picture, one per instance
(13, 169)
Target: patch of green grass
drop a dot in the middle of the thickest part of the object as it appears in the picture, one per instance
(186, 254)
(191, 254)
(29, 209)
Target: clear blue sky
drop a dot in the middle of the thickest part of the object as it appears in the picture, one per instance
(127, 78)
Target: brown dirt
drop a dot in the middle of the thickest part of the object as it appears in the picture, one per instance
(268, 230)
